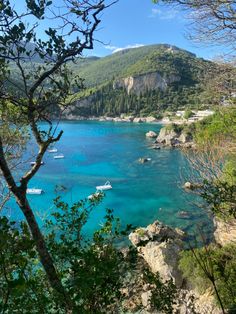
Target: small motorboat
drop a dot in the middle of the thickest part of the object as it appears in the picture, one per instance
(34, 162)
(106, 186)
(34, 191)
(58, 156)
(52, 150)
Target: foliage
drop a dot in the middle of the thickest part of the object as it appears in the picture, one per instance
(216, 140)
(211, 21)
(100, 74)
(224, 266)
(93, 270)
(23, 286)
(221, 197)
(188, 114)
(219, 127)
(112, 102)
(163, 295)
(36, 88)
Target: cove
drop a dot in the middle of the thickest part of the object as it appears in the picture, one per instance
(99, 151)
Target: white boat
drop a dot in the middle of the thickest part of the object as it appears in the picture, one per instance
(94, 195)
(106, 186)
(52, 150)
(34, 162)
(34, 191)
(58, 156)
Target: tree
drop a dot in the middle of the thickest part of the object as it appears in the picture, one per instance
(214, 21)
(33, 88)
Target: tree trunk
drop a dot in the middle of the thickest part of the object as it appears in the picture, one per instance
(43, 252)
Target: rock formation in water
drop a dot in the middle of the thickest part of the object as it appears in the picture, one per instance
(170, 137)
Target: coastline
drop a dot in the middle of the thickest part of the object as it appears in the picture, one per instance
(129, 119)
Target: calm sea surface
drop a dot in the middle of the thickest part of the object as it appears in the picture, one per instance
(99, 151)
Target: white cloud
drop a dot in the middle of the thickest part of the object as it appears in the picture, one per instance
(164, 15)
(110, 47)
(116, 49)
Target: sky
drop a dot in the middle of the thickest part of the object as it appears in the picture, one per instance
(131, 23)
(134, 23)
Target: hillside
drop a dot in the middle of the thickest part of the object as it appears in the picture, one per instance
(143, 80)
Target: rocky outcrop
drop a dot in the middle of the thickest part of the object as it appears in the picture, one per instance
(160, 245)
(151, 134)
(167, 137)
(170, 137)
(145, 82)
(143, 160)
(225, 231)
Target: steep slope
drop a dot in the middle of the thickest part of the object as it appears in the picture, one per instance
(143, 80)
(124, 63)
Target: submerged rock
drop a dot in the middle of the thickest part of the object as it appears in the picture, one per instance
(183, 214)
(188, 185)
(143, 160)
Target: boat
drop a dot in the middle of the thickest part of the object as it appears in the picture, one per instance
(106, 186)
(34, 191)
(58, 156)
(94, 195)
(34, 162)
(52, 150)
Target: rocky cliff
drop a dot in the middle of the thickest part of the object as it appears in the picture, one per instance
(145, 82)
(159, 246)
(225, 231)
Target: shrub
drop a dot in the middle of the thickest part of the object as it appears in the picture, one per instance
(222, 260)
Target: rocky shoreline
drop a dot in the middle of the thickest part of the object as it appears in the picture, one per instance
(128, 119)
(159, 246)
(171, 138)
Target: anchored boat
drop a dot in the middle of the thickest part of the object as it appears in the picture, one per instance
(34, 191)
(106, 186)
(52, 150)
(58, 156)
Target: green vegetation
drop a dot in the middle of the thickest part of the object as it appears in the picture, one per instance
(93, 271)
(188, 114)
(100, 74)
(217, 128)
(221, 261)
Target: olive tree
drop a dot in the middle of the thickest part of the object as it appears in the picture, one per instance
(52, 33)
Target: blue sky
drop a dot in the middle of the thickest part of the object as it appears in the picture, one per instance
(140, 22)
(133, 23)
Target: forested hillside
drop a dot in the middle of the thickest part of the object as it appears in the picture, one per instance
(106, 81)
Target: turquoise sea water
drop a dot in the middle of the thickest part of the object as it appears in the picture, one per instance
(99, 151)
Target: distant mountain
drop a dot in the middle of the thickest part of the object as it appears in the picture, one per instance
(144, 80)
(139, 81)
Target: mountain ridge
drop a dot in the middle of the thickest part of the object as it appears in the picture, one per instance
(170, 76)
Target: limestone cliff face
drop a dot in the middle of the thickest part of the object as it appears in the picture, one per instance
(144, 82)
(225, 231)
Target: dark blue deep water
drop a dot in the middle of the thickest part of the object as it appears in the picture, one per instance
(99, 151)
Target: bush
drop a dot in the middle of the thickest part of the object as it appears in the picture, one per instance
(188, 114)
(222, 260)
(92, 269)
